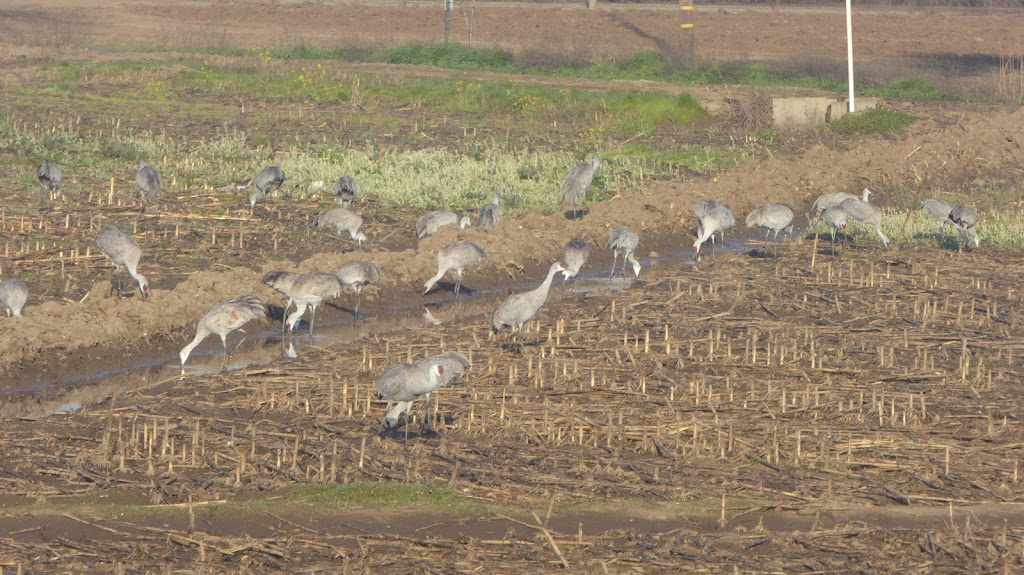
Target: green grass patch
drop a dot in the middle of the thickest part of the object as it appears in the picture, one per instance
(909, 89)
(453, 56)
(365, 494)
(873, 121)
(756, 75)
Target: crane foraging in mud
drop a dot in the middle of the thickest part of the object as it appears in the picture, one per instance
(773, 218)
(717, 219)
(456, 256)
(49, 175)
(123, 250)
(267, 181)
(148, 180)
(13, 295)
(222, 319)
(866, 214)
(623, 241)
(964, 217)
(342, 220)
(403, 383)
(428, 224)
(282, 282)
(575, 255)
(310, 290)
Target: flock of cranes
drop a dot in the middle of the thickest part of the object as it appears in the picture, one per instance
(403, 383)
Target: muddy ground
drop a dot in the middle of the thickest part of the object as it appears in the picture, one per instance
(760, 414)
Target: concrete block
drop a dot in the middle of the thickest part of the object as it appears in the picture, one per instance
(800, 112)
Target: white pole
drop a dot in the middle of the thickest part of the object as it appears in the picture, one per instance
(849, 51)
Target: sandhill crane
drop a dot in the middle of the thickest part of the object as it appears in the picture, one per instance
(311, 289)
(429, 224)
(456, 256)
(282, 282)
(267, 181)
(122, 250)
(835, 217)
(222, 319)
(965, 217)
(519, 308)
(701, 209)
(345, 190)
(866, 214)
(773, 218)
(718, 219)
(623, 241)
(357, 275)
(574, 190)
(49, 175)
(453, 365)
(575, 256)
(148, 180)
(490, 214)
(13, 295)
(402, 383)
(826, 201)
(937, 209)
(342, 220)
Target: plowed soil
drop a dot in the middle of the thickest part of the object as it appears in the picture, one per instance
(805, 412)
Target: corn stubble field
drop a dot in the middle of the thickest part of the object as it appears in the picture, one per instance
(850, 414)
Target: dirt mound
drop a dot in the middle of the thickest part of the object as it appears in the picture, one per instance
(949, 151)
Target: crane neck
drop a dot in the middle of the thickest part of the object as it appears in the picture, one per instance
(544, 287)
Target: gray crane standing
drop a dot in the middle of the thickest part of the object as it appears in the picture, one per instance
(456, 256)
(866, 214)
(835, 217)
(718, 219)
(267, 181)
(357, 275)
(623, 241)
(826, 201)
(453, 365)
(346, 190)
(123, 250)
(282, 282)
(575, 256)
(428, 224)
(965, 218)
(574, 190)
(490, 214)
(222, 319)
(148, 180)
(13, 295)
(49, 175)
(402, 384)
(773, 218)
(311, 290)
(342, 220)
(519, 308)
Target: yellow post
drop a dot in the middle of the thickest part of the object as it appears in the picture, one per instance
(686, 28)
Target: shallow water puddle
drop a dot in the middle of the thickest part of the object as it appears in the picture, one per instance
(265, 343)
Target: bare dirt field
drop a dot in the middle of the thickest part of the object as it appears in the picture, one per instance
(748, 414)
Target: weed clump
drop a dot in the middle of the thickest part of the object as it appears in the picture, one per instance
(873, 121)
